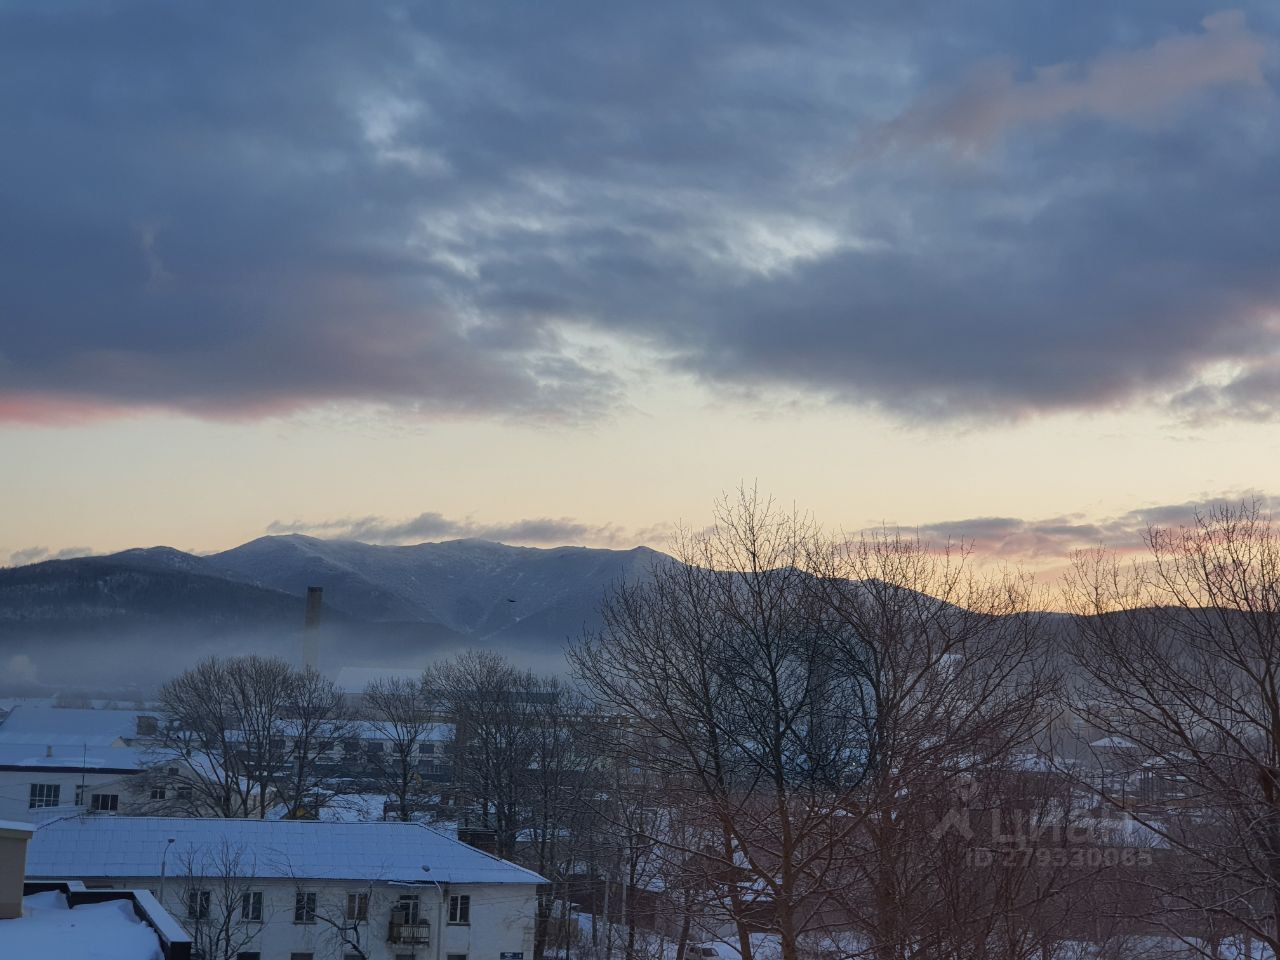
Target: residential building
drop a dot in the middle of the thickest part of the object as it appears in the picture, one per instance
(55, 761)
(305, 890)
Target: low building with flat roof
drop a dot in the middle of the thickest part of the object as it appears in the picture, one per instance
(64, 919)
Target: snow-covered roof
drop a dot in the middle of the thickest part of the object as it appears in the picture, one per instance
(368, 730)
(1113, 743)
(35, 724)
(87, 757)
(94, 931)
(132, 847)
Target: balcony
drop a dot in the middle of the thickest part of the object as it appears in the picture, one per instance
(415, 933)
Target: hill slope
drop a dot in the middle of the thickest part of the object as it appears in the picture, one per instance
(138, 613)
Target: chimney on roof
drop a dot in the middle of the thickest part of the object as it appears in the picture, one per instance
(310, 641)
(13, 866)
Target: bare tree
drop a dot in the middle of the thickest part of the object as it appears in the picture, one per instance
(346, 913)
(811, 698)
(953, 683)
(714, 660)
(400, 713)
(217, 908)
(1181, 669)
(315, 722)
(494, 710)
(237, 735)
(197, 762)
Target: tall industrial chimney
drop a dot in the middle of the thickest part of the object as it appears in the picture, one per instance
(310, 625)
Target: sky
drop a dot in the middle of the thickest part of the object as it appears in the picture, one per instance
(564, 272)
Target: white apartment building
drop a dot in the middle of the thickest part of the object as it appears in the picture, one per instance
(304, 890)
(55, 761)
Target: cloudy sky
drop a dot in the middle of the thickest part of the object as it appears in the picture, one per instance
(562, 272)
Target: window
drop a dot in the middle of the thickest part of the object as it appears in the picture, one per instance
(251, 906)
(105, 802)
(44, 795)
(248, 955)
(357, 906)
(304, 908)
(302, 956)
(184, 793)
(455, 956)
(407, 906)
(158, 793)
(460, 908)
(80, 796)
(171, 771)
(197, 904)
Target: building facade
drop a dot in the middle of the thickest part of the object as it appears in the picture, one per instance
(305, 890)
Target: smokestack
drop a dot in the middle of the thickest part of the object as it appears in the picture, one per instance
(315, 600)
(310, 639)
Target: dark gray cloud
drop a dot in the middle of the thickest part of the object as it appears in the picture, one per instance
(942, 210)
(1056, 538)
(430, 526)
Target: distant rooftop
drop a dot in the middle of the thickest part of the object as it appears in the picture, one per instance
(132, 847)
(48, 927)
(88, 757)
(61, 725)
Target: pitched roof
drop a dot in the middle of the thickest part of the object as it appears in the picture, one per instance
(123, 847)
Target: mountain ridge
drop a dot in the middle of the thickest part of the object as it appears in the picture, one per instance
(383, 605)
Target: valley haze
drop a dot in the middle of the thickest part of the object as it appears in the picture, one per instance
(133, 619)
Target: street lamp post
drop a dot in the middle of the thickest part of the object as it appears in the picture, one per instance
(163, 857)
(439, 931)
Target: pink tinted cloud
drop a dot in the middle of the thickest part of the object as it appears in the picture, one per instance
(1137, 86)
(44, 410)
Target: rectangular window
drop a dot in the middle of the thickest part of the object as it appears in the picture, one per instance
(197, 904)
(105, 802)
(44, 795)
(407, 906)
(357, 906)
(248, 955)
(455, 956)
(251, 906)
(304, 907)
(460, 908)
(157, 793)
(80, 796)
(184, 793)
